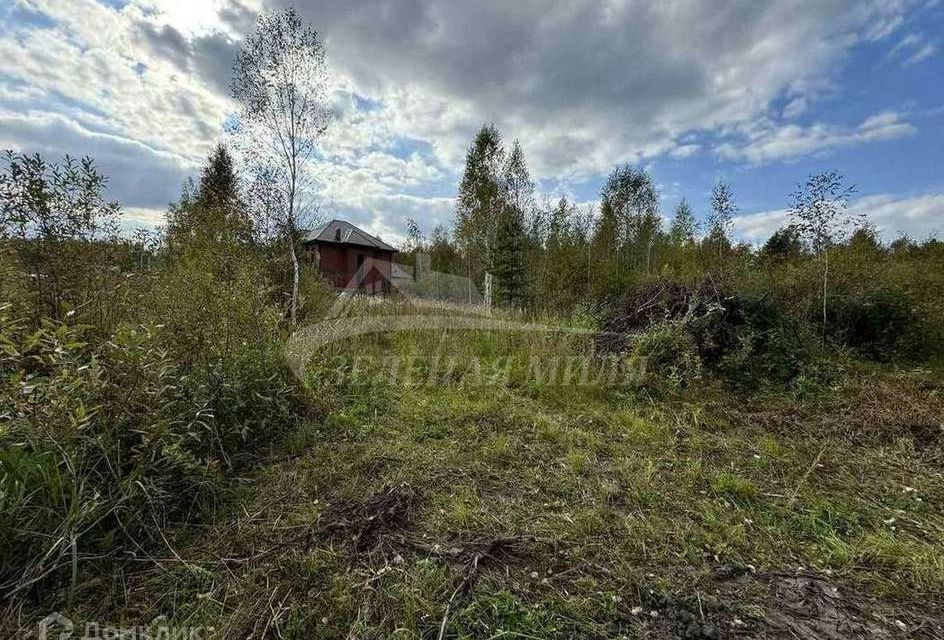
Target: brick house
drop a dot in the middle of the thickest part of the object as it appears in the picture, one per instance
(349, 257)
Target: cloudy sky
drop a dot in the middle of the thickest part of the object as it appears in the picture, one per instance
(762, 93)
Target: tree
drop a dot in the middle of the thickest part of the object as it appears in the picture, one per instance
(215, 212)
(518, 200)
(634, 200)
(604, 245)
(721, 217)
(518, 185)
(510, 261)
(479, 201)
(784, 244)
(819, 212)
(684, 226)
(564, 281)
(443, 255)
(414, 237)
(60, 225)
(280, 79)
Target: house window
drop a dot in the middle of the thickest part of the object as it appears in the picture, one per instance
(337, 235)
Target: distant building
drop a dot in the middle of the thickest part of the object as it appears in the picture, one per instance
(349, 257)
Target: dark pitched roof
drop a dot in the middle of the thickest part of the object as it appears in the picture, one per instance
(341, 232)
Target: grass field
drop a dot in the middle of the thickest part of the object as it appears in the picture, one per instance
(475, 501)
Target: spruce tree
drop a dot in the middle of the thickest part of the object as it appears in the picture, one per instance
(518, 194)
(212, 212)
(510, 262)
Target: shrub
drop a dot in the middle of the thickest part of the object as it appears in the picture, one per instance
(316, 297)
(746, 341)
(116, 438)
(667, 354)
(880, 325)
(94, 441)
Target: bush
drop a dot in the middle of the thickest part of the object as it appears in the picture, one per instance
(316, 297)
(115, 439)
(745, 341)
(94, 441)
(667, 354)
(881, 325)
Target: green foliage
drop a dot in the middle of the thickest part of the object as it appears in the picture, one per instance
(95, 440)
(480, 200)
(685, 331)
(213, 213)
(54, 218)
(667, 353)
(721, 217)
(684, 225)
(784, 244)
(880, 325)
(131, 379)
(510, 266)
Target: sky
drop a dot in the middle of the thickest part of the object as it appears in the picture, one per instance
(761, 94)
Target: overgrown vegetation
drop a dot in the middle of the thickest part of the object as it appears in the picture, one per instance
(133, 378)
(650, 432)
(492, 502)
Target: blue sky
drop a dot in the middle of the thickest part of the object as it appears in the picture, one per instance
(762, 94)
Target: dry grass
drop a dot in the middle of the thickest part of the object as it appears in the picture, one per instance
(521, 510)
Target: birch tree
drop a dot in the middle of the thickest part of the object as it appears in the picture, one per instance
(819, 212)
(721, 217)
(280, 80)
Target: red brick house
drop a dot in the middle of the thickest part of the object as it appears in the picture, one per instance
(350, 258)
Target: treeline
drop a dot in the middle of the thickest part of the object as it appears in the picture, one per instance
(826, 268)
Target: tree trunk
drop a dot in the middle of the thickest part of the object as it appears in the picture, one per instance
(293, 307)
(825, 283)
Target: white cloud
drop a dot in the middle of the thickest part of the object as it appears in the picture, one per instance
(73, 87)
(766, 141)
(153, 175)
(912, 49)
(796, 107)
(925, 51)
(755, 228)
(919, 217)
(884, 27)
(685, 151)
(588, 84)
(384, 214)
(142, 217)
(585, 84)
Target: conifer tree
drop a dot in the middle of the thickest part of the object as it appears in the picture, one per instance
(510, 261)
(212, 212)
